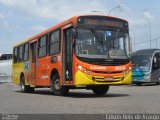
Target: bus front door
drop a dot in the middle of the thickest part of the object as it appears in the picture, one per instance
(33, 61)
(67, 55)
(155, 74)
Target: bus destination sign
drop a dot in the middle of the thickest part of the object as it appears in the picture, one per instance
(102, 22)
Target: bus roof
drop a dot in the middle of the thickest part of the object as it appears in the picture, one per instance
(145, 52)
(71, 20)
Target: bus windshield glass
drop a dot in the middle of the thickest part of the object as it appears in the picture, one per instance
(92, 43)
(142, 62)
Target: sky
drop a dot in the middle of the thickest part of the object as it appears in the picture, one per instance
(21, 19)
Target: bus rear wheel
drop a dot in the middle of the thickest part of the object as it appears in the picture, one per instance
(25, 88)
(56, 88)
(100, 90)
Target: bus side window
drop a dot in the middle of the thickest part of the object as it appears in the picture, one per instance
(15, 55)
(21, 53)
(42, 47)
(54, 43)
(18, 54)
(26, 52)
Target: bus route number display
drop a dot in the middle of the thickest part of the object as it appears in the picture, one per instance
(101, 22)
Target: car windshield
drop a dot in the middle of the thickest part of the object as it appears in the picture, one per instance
(142, 62)
(102, 44)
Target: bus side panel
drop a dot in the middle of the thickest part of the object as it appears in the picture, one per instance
(56, 66)
(42, 72)
(17, 69)
(27, 72)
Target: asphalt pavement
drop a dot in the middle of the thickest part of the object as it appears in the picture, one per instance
(118, 100)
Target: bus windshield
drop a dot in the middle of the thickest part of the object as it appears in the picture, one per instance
(103, 44)
(143, 62)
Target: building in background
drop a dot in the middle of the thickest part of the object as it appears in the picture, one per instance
(5, 68)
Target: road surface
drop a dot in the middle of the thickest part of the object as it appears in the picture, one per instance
(120, 99)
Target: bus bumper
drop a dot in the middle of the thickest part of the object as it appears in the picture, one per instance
(85, 79)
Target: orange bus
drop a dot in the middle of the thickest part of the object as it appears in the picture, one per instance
(88, 51)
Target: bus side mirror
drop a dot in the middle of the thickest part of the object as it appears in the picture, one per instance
(155, 63)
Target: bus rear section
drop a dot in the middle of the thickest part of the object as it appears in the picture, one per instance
(91, 52)
(146, 66)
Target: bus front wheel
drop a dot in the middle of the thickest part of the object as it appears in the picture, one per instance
(25, 88)
(100, 90)
(56, 88)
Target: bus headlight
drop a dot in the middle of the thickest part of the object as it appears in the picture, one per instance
(84, 70)
(80, 67)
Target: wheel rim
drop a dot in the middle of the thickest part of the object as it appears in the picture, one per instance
(57, 84)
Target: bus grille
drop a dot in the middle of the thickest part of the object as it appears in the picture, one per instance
(101, 79)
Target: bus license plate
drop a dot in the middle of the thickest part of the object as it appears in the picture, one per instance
(108, 79)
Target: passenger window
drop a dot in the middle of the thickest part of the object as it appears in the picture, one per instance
(42, 50)
(26, 52)
(15, 55)
(54, 43)
(20, 53)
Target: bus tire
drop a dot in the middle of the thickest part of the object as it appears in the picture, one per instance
(25, 88)
(100, 90)
(56, 88)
